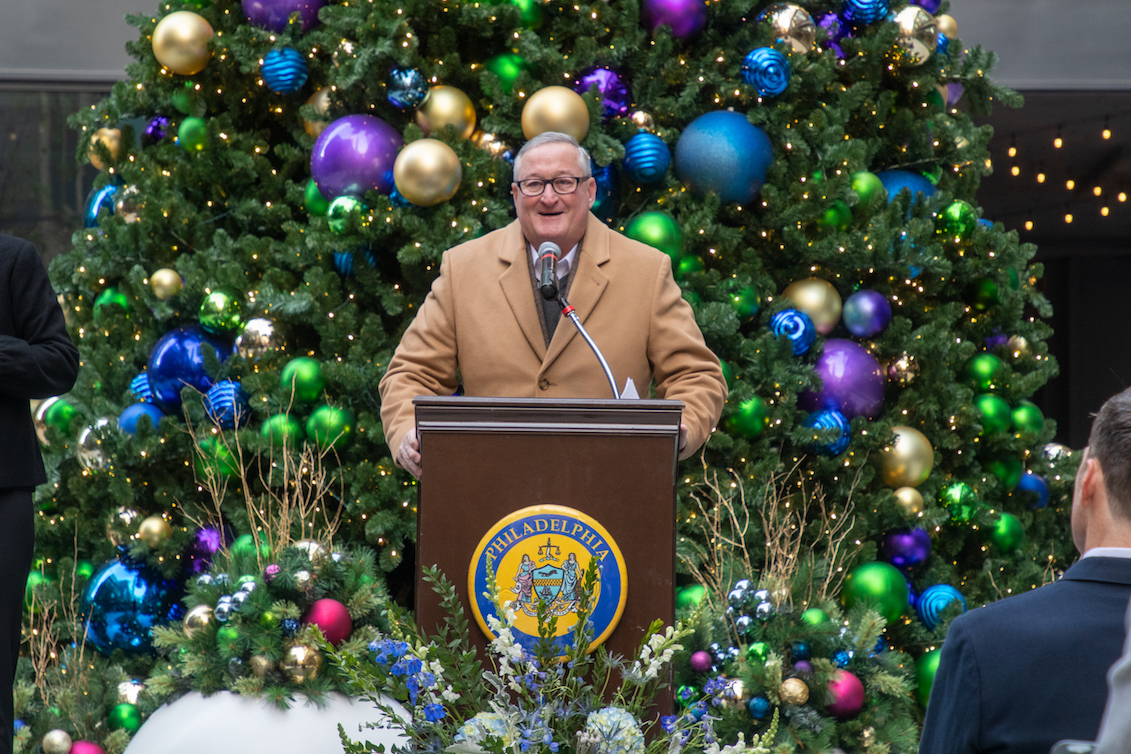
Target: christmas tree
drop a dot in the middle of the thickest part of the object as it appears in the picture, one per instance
(280, 180)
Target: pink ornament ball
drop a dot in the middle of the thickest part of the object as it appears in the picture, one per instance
(848, 695)
(700, 661)
(332, 618)
(86, 747)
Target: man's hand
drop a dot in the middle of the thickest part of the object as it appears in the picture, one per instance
(682, 438)
(408, 454)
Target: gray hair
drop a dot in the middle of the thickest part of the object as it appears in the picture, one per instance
(555, 137)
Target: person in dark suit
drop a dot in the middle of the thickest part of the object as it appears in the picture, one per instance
(37, 360)
(1115, 732)
(1028, 671)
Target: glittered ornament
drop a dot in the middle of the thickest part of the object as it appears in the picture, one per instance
(124, 716)
(934, 600)
(165, 283)
(192, 135)
(507, 67)
(109, 303)
(659, 230)
(154, 530)
(852, 381)
(555, 108)
(220, 313)
(427, 172)
(330, 427)
(1007, 534)
(1027, 418)
(301, 662)
(818, 299)
(750, 419)
(957, 221)
(111, 140)
(866, 313)
(790, 24)
(128, 419)
(903, 369)
(983, 372)
(862, 12)
(259, 337)
(227, 405)
(794, 691)
(847, 695)
(961, 500)
(353, 155)
(868, 186)
(123, 603)
(1036, 484)
(879, 585)
(646, 158)
(406, 88)
(284, 70)
(996, 415)
(180, 42)
(98, 201)
(344, 215)
(275, 15)
(206, 542)
(320, 101)
(767, 70)
(447, 106)
(685, 18)
(56, 741)
(896, 181)
(918, 34)
(303, 377)
(722, 152)
(835, 434)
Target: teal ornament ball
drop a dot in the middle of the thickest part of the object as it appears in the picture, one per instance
(220, 313)
(925, 669)
(724, 153)
(879, 585)
(646, 158)
(192, 135)
(983, 372)
(750, 419)
(344, 214)
(1028, 419)
(767, 70)
(961, 500)
(303, 376)
(284, 70)
(659, 230)
(313, 200)
(996, 414)
(1007, 534)
(868, 186)
(281, 429)
(330, 427)
(934, 600)
(110, 300)
(957, 221)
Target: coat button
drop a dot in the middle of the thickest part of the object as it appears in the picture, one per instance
(544, 383)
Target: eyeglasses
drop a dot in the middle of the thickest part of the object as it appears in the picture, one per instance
(537, 186)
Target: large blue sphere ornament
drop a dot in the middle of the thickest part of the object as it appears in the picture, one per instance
(129, 418)
(795, 325)
(934, 600)
(97, 200)
(226, 404)
(1036, 484)
(897, 180)
(140, 388)
(406, 88)
(177, 361)
(284, 71)
(767, 70)
(831, 420)
(646, 158)
(725, 153)
(860, 12)
(122, 603)
(607, 201)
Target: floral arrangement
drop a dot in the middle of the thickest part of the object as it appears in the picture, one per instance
(538, 702)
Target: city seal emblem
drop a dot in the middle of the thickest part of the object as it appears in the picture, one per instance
(541, 554)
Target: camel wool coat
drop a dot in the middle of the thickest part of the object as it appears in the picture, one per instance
(479, 325)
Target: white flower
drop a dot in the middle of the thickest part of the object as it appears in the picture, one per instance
(614, 731)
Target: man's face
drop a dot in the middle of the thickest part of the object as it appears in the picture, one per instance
(560, 218)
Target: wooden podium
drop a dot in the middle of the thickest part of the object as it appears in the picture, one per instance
(485, 458)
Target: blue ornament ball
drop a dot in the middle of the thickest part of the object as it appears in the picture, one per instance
(942, 46)
(177, 361)
(795, 325)
(1036, 484)
(140, 388)
(801, 650)
(343, 261)
(758, 707)
(96, 201)
(227, 405)
(724, 153)
(767, 70)
(123, 603)
(897, 180)
(833, 420)
(406, 88)
(866, 313)
(860, 12)
(934, 600)
(842, 658)
(127, 421)
(290, 626)
(607, 201)
(646, 158)
(284, 70)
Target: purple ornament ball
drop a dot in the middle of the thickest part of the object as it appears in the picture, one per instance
(701, 661)
(685, 17)
(906, 548)
(274, 14)
(803, 666)
(614, 92)
(931, 6)
(353, 155)
(852, 381)
(866, 313)
(155, 130)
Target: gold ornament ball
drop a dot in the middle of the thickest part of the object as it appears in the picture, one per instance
(643, 120)
(261, 666)
(918, 34)
(165, 282)
(908, 460)
(129, 204)
(794, 691)
(447, 106)
(427, 172)
(947, 25)
(315, 551)
(903, 369)
(792, 24)
(56, 742)
(491, 143)
(304, 579)
(154, 530)
(111, 138)
(817, 298)
(910, 501)
(555, 108)
(196, 620)
(1018, 346)
(302, 662)
(180, 42)
(321, 102)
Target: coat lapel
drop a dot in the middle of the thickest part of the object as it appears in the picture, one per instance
(515, 282)
(589, 284)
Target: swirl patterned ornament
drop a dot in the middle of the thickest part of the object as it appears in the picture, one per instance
(795, 325)
(934, 600)
(830, 419)
(646, 158)
(284, 70)
(139, 387)
(227, 405)
(767, 70)
(857, 12)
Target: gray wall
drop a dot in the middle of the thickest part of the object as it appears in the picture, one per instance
(76, 41)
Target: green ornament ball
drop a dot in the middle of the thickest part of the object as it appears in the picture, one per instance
(227, 640)
(1014, 279)
(983, 372)
(958, 220)
(659, 230)
(507, 67)
(330, 427)
(689, 265)
(986, 293)
(315, 203)
(84, 569)
(193, 134)
(878, 584)
(244, 546)
(686, 694)
(728, 372)
(213, 457)
(814, 616)
(934, 98)
(282, 429)
(304, 376)
(124, 716)
(59, 415)
(996, 414)
(925, 669)
(220, 313)
(933, 174)
(746, 303)
(1008, 470)
(110, 300)
(184, 98)
(35, 579)
(868, 186)
(1007, 534)
(757, 651)
(961, 500)
(344, 214)
(838, 216)
(270, 619)
(1028, 419)
(531, 13)
(689, 596)
(751, 418)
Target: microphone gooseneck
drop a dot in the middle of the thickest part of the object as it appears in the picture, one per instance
(571, 313)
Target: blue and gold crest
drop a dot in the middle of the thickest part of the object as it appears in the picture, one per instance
(541, 553)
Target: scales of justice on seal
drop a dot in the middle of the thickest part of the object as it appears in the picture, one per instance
(539, 488)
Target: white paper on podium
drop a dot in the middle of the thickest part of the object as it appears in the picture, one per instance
(629, 390)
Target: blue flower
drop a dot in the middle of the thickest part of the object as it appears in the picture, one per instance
(667, 722)
(406, 666)
(413, 687)
(427, 680)
(434, 712)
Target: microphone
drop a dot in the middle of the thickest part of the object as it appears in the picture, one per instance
(548, 254)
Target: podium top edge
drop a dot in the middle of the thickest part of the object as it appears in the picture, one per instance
(541, 410)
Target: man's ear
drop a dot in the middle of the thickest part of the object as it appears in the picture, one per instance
(1092, 481)
(591, 184)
